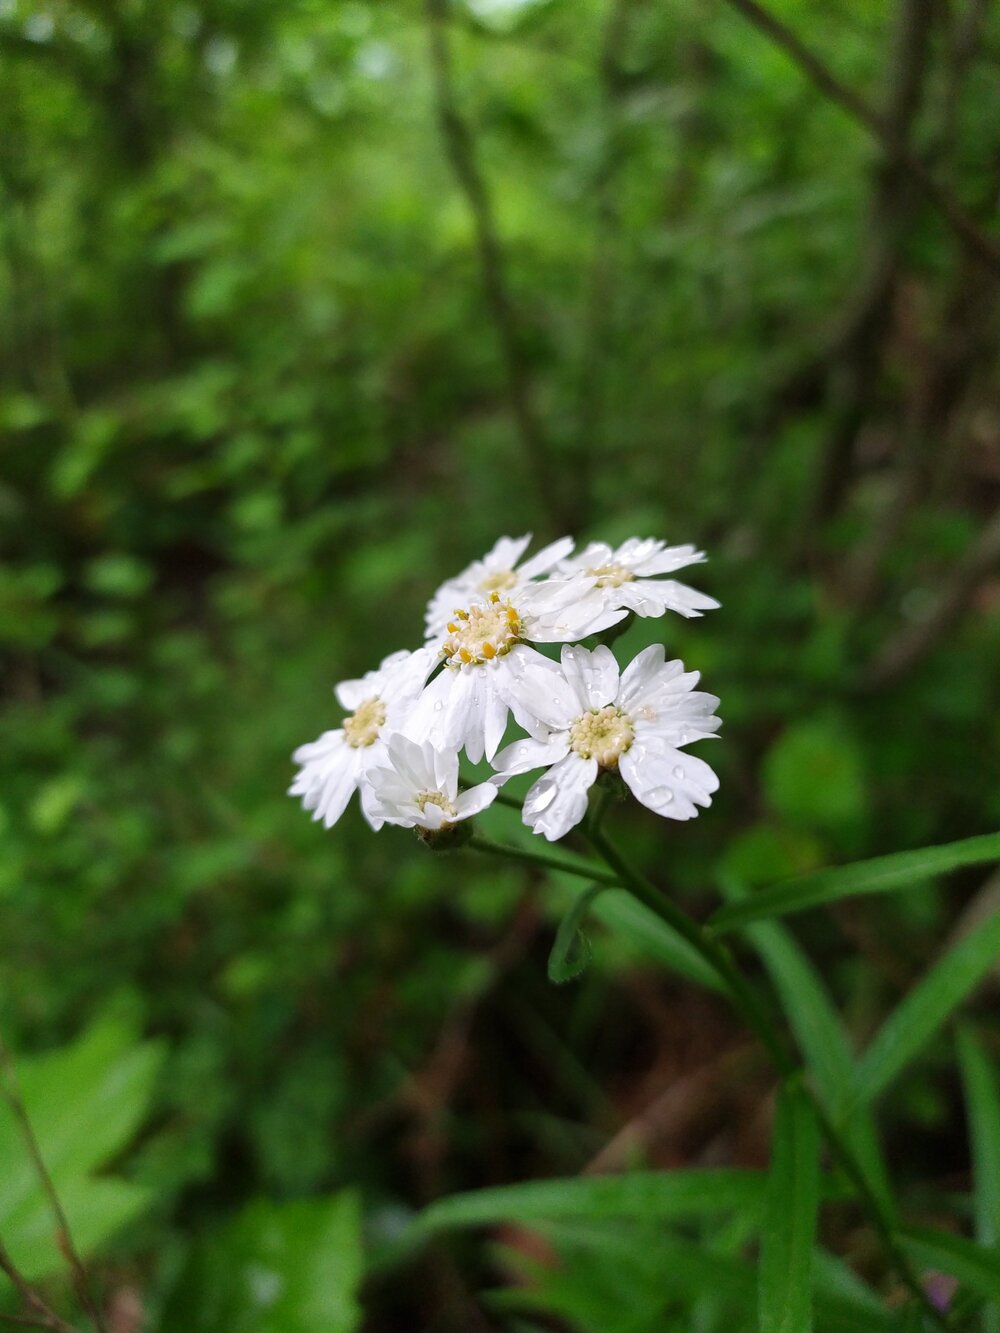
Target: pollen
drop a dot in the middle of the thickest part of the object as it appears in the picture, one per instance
(498, 580)
(363, 726)
(438, 798)
(611, 576)
(482, 633)
(603, 734)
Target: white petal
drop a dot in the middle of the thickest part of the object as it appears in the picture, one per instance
(538, 692)
(329, 798)
(543, 560)
(666, 561)
(477, 687)
(495, 712)
(652, 597)
(594, 676)
(523, 756)
(641, 675)
(475, 799)
(558, 801)
(668, 781)
(506, 552)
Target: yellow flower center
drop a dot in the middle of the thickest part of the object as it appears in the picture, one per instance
(363, 726)
(498, 580)
(482, 633)
(437, 798)
(611, 576)
(603, 734)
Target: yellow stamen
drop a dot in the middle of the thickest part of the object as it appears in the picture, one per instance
(488, 651)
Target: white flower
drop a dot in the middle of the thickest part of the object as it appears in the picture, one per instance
(498, 571)
(634, 723)
(416, 786)
(627, 576)
(489, 667)
(333, 766)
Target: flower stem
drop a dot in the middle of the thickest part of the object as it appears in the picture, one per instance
(745, 1000)
(580, 868)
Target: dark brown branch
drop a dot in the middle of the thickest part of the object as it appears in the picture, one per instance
(904, 650)
(877, 126)
(81, 1280)
(461, 154)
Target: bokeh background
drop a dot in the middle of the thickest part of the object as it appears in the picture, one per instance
(303, 304)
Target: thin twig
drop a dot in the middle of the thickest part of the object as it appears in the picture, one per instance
(461, 154)
(64, 1236)
(42, 1316)
(877, 126)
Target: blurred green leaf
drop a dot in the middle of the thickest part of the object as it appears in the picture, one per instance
(982, 1103)
(925, 1009)
(882, 874)
(975, 1265)
(85, 1102)
(571, 951)
(790, 1216)
(274, 1268)
(814, 778)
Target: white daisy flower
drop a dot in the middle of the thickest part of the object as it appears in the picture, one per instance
(498, 571)
(489, 667)
(628, 576)
(416, 786)
(333, 766)
(633, 722)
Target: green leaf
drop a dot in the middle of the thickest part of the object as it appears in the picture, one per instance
(982, 1100)
(645, 1195)
(926, 1008)
(823, 1043)
(85, 1102)
(785, 1283)
(571, 952)
(275, 1268)
(882, 874)
(974, 1265)
(632, 920)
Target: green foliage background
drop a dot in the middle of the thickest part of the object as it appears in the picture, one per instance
(254, 408)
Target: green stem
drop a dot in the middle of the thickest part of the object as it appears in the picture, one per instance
(580, 868)
(748, 1005)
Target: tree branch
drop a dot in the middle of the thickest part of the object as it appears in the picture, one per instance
(880, 129)
(41, 1316)
(462, 156)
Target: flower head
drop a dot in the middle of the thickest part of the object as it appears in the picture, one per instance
(498, 571)
(596, 719)
(416, 786)
(629, 576)
(333, 766)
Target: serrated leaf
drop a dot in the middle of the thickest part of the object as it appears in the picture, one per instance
(660, 1195)
(925, 1009)
(790, 1215)
(85, 1102)
(882, 874)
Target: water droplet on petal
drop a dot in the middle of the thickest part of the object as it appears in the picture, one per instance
(660, 796)
(678, 772)
(438, 706)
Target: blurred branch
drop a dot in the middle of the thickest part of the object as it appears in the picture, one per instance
(966, 38)
(81, 1281)
(462, 156)
(904, 650)
(853, 353)
(598, 323)
(41, 1316)
(877, 125)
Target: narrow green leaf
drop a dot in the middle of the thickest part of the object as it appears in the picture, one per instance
(641, 1195)
(785, 1281)
(824, 1045)
(883, 874)
(571, 952)
(926, 1008)
(982, 1100)
(974, 1265)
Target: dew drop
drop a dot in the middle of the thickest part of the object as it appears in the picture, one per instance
(438, 706)
(678, 772)
(660, 796)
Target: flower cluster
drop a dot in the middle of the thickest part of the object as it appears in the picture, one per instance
(408, 721)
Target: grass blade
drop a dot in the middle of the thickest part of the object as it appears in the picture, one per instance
(974, 1265)
(926, 1008)
(639, 1196)
(883, 874)
(791, 1210)
(982, 1100)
